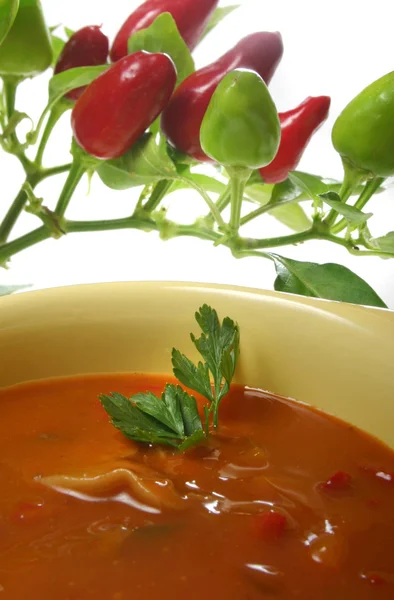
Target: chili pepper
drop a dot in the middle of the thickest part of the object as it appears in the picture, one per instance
(191, 17)
(363, 134)
(8, 11)
(27, 49)
(297, 127)
(86, 47)
(116, 109)
(241, 126)
(181, 121)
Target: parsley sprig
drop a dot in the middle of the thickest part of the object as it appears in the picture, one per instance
(173, 419)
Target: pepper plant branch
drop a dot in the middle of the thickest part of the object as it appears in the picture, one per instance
(238, 179)
(371, 187)
(12, 215)
(159, 192)
(74, 177)
(353, 178)
(240, 247)
(51, 171)
(221, 203)
(211, 205)
(262, 210)
(57, 111)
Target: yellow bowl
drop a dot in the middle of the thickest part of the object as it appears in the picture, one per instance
(338, 357)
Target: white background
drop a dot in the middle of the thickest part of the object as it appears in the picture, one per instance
(334, 49)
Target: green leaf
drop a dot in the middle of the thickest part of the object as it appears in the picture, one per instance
(172, 402)
(151, 405)
(293, 216)
(192, 440)
(310, 184)
(69, 32)
(8, 10)
(384, 243)
(6, 290)
(69, 80)
(209, 184)
(172, 420)
(259, 193)
(218, 16)
(353, 215)
(194, 377)
(146, 162)
(57, 48)
(16, 118)
(286, 191)
(330, 281)
(191, 418)
(133, 423)
(216, 340)
(163, 36)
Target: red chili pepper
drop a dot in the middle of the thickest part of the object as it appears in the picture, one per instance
(181, 121)
(122, 103)
(191, 17)
(297, 126)
(85, 48)
(270, 525)
(338, 482)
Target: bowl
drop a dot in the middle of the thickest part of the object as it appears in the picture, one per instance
(337, 357)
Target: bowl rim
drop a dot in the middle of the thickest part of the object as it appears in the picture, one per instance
(312, 302)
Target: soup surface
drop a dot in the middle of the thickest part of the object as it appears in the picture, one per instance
(283, 502)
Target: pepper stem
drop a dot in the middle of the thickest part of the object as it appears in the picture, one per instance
(159, 191)
(74, 177)
(365, 196)
(352, 179)
(57, 111)
(238, 179)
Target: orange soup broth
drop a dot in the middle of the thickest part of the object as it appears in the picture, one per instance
(282, 502)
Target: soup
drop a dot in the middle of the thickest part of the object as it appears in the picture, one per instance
(282, 502)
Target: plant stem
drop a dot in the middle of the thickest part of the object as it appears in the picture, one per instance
(240, 247)
(365, 196)
(74, 177)
(57, 111)
(20, 200)
(51, 171)
(12, 215)
(142, 223)
(222, 202)
(211, 205)
(262, 210)
(159, 191)
(10, 85)
(16, 208)
(22, 243)
(285, 240)
(351, 181)
(238, 180)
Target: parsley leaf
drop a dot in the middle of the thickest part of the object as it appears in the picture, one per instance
(173, 419)
(219, 347)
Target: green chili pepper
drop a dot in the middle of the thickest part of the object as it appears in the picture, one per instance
(363, 134)
(27, 49)
(8, 10)
(241, 126)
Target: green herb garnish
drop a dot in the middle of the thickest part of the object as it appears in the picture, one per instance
(173, 419)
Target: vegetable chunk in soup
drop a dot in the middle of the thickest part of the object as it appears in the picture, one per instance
(280, 502)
